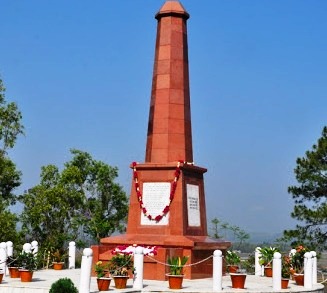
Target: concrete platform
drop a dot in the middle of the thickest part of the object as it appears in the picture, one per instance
(43, 279)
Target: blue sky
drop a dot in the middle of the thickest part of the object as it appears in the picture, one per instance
(81, 74)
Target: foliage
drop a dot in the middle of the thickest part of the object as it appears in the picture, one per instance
(238, 234)
(59, 255)
(28, 260)
(286, 266)
(232, 257)
(176, 264)
(120, 264)
(10, 177)
(310, 196)
(14, 261)
(297, 258)
(10, 122)
(63, 285)
(248, 264)
(82, 198)
(101, 269)
(267, 255)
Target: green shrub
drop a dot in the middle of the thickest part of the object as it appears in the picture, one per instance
(63, 285)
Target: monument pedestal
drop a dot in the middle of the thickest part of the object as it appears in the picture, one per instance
(182, 231)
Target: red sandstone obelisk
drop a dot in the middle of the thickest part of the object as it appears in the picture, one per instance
(167, 204)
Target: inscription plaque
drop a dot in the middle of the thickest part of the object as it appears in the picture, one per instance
(193, 205)
(155, 198)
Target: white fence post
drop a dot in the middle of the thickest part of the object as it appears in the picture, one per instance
(72, 255)
(314, 267)
(86, 267)
(277, 271)
(10, 248)
(307, 270)
(35, 247)
(3, 256)
(27, 247)
(257, 267)
(138, 268)
(217, 271)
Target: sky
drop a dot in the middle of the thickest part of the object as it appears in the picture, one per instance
(81, 72)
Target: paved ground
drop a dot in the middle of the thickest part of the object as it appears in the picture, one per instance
(42, 281)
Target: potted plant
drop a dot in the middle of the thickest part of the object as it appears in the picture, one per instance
(266, 257)
(176, 266)
(13, 263)
(101, 271)
(232, 260)
(297, 264)
(58, 259)
(28, 263)
(119, 266)
(238, 278)
(286, 266)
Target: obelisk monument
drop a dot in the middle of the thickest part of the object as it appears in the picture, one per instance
(167, 204)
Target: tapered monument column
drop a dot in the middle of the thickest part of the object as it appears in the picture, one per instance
(167, 204)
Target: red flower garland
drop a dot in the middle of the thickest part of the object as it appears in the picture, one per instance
(171, 196)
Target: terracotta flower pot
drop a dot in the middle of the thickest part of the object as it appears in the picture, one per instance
(175, 281)
(120, 281)
(26, 276)
(103, 284)
(268, 272)
(58, 265)
(232, 268)
(14, 272)
(238, 280)
(285, 283)
(299, 279)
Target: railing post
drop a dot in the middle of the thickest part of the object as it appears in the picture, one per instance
(10, 252)
(314, 267)
(307, 270)
(3, 256)
(27, 247)
(217, 272)
(138, 268)
(277, 271)
(10, 248)
(86, 267)
(35, 247)
(72, 255)
(257, 267)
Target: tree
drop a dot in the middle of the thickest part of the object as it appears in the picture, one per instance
(310, 197)
(83, 197)
(10, 177)
(10, 122)
(215, 222)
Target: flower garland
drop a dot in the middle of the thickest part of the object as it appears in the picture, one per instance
(171, 197)
(129, 250)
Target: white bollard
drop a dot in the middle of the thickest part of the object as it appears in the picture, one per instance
(314, 267)
(277, 271)
(307, 270)
(10, 252)
(259, 271)
(10, 248)
(3, 256)
(86, 267)
(217, 271)
(27, 247)
(138, 268)
(35, 247)
(72, 255)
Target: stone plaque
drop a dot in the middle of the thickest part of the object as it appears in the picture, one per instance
(193, 205)
(155, 198)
